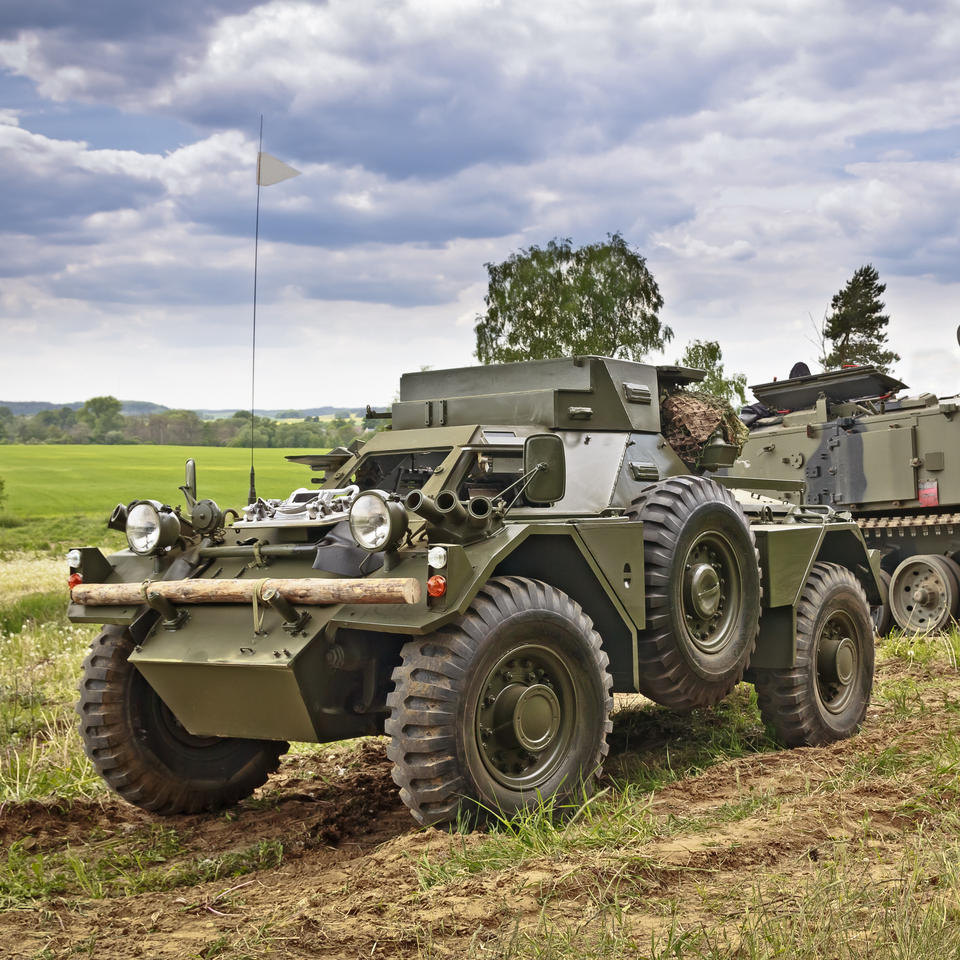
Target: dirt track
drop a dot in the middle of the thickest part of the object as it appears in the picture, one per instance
(348, 886)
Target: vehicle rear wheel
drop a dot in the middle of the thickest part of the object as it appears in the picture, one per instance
(508, 706)
(924, 593)
(824, 697)
(880, 613)
(702, 578)
(142, 751)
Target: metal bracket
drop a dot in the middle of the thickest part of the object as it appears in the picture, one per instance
(294, 622)
(173, 618)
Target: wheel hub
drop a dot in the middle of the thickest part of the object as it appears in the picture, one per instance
(704, 589)
(524, 718)
(923, 595)
(710, 593)
(527, 717)
(838, 661)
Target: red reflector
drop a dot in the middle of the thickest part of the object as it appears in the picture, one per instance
(437, 585)
(74, 579)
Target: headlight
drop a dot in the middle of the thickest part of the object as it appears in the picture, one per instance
(376, 522)
(149, 528)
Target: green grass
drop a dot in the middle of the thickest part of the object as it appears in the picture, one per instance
(54, 535)
(660, 746)
(73, 480)
(154, 860)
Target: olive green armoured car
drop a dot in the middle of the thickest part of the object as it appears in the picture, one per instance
(863, 445)
(475, 582)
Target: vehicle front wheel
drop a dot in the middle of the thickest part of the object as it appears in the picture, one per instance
(824, 697)
(143, 752)
(508, 706)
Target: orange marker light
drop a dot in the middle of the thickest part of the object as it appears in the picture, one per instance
(436, 585)
(74, 579)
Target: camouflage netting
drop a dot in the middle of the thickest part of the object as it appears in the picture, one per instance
(690, 419)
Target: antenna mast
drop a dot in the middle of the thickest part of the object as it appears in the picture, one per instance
(252, 495)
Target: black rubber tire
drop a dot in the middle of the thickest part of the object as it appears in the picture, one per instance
(795, 701)
(443, 686)
(880, 613)
(141, 751)
(677, 514)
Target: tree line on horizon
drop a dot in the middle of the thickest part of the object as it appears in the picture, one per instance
(100, 420)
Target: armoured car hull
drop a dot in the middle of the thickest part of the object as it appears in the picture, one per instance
(475, 582)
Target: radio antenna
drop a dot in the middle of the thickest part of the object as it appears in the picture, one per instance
(270, 170)
(252, 495)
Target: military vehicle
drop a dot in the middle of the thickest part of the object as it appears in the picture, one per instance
(475, 582)
(892, 460)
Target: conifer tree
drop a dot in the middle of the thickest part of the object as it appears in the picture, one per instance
(856, 327)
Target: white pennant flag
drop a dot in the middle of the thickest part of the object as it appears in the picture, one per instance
(270, 170)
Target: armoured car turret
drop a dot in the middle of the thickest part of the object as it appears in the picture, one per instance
(475, 582)
(861, 444)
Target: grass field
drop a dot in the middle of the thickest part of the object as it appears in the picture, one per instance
(707, 842)
(61, 481)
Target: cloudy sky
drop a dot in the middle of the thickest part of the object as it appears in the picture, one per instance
(756, 153)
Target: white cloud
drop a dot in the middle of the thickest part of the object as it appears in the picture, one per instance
(756, 155)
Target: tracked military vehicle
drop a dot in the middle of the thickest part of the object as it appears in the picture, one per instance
(475, 582)
(892, 460)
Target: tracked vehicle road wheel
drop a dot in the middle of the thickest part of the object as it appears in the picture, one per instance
(142, 751)
(508, 705)
(880, 612)
(925, 593)
(825, 696)
(702, 580)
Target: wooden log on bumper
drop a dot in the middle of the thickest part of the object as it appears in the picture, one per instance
(304, 591)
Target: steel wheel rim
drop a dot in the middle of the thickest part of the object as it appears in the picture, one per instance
(711, 592)
(920, 597)
(837, 662)
(525, 716)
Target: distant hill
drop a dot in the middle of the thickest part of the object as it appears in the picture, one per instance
(284, 412)
(27, 408)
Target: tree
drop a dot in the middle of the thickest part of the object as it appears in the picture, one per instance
(706, 355)
(102, 414)
(559, 301)
(856, 326)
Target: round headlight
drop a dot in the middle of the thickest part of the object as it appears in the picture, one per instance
(376, 522)
(149, 528)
